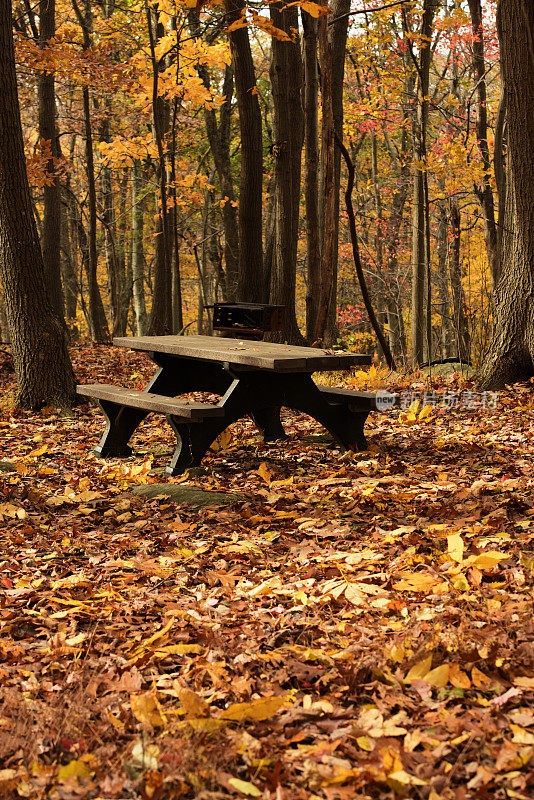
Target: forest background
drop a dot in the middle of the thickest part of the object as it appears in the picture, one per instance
(186, 152)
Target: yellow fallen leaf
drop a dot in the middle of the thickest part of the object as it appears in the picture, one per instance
(460, 582)
(205, 724)
(458, 678)
(115, 721)
(521, 736)
(74, 769)
(147, 709)
(438, 677)
(489, 560)
(419, 670)
(155, 636)
(178, 649)
(415, 582)
(480, 680)
(400, 779)
(71, 582)
(245, 787)
(257, 710)
(265, 473)
(425, 413)
(455, 547)
(222, 441)
(194, 705)
(354, 595)
(36, 453)
(365, 743)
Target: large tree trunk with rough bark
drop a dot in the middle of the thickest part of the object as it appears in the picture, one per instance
(251, 283)
(286, 82)
(511, 354)
(38, 338)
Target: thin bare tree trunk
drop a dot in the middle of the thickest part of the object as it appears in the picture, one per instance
(337, 33)
(286, 82)
(138, 265)
(251, 282)
(484, 192)
(311, 170)
(421, 234)
(50, 239)
(97, 316)
(328, 228)
(160, 322)
(448, 337)
(461, 327)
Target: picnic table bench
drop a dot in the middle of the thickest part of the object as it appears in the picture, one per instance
(253, 379)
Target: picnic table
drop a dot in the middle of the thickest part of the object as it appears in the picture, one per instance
(253, 379)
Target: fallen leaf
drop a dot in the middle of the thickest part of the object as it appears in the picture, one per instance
(147, 709)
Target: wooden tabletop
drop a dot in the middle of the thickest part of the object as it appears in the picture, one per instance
(259, 355)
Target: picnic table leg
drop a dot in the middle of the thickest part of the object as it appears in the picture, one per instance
(195, 439)
(121, 422)
(267, 421)
(193, 442)
(345, 425)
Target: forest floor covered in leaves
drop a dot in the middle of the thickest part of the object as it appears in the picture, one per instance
(359, 625)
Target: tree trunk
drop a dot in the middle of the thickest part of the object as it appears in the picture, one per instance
(251, 283)
(484, 192)
(337, 32)
(98, 326)
(38, 338)
(219, 137)
(97, 316)
(328, 230)
(448, 337)
(68, 267)
(511, 355)
(286, 83)
(160, 322)
(461, 327)
(420, 235)
(311, 170)
(114, 264)
(50, 239)
(138, 269)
